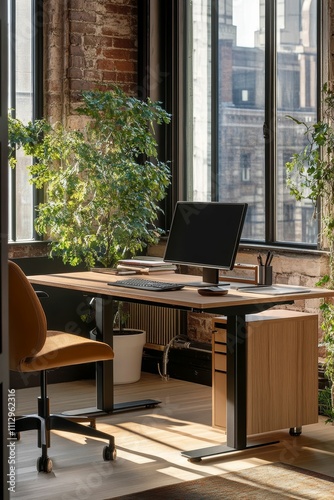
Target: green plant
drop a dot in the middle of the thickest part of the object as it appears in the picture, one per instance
(103, 184)
(311, 176)
(310, 173)
(121, 316)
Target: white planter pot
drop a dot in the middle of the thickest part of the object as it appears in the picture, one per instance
(128, 351)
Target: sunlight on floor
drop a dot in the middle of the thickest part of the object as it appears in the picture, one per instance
(180, 473)
(134, 458)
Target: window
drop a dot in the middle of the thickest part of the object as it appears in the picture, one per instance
(253, 63)
(245, 167)
(24, 89)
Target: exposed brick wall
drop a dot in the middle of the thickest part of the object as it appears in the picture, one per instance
(23, 250)
(87, 44)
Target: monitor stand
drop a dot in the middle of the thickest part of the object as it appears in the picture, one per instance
(210, 278)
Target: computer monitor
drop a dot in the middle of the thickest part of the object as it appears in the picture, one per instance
(207, 235)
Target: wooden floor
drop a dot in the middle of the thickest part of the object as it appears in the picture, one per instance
(149, 443)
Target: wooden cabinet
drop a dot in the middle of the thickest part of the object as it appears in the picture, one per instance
(282, 370)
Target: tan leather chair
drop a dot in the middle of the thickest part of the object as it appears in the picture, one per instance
(34, 348)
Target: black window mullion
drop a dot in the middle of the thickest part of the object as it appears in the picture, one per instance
(270, 120)
(37, 58)
(37, 69)
(214, 98)
(12, 80)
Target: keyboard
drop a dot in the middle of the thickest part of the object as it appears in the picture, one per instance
(143, 284)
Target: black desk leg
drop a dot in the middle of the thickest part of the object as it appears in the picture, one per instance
(236, 428)
(236, 382)
(104, 370)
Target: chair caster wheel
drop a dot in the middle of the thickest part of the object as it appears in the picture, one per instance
(109, 453)
(44, 464)
(295, 431)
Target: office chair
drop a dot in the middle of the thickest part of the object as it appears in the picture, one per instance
(34, 348)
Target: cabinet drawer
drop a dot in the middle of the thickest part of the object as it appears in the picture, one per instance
(220, 362)
(220, 347)
(219, 400)
(220, 336)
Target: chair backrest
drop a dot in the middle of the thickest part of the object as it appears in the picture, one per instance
(27, 321)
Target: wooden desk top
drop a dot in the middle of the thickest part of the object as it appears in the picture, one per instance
(186, 298)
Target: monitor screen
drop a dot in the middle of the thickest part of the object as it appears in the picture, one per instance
(207, 235)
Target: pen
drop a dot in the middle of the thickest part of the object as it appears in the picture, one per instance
(270, 259)
(267, 258)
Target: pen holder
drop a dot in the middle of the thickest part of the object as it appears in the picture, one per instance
(265, 275)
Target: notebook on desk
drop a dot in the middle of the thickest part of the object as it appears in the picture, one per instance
(276, 289)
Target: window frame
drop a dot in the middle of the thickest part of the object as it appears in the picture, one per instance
(270, 124)
(177, 45)
(270, 119)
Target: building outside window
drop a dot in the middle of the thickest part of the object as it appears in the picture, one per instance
(251, 68)
(245, 167)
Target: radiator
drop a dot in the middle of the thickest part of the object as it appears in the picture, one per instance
(161, 324)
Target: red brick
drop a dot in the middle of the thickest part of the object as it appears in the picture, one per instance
(84, 28)
(109, 76)
(80, 85)
(125, 42)
(124, 10)
(126, 66)
(105, 64)
(75, 39)
(74, 73)
(77, 62)
(82, 15)
(123, 54)
(76, 50)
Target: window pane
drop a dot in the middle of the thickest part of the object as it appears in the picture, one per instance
(241, 110)
(199, 178)
(296, 96)
(22, 82)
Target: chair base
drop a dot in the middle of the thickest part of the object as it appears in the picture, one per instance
(44, 422)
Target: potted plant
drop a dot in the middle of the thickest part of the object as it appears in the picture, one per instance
(127, 362)
(310, 175)
(102, 183)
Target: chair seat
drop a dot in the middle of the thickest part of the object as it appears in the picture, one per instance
(63, 349)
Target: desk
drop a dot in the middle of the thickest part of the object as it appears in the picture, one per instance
(234, 306)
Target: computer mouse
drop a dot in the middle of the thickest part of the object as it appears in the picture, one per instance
(212, 290)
